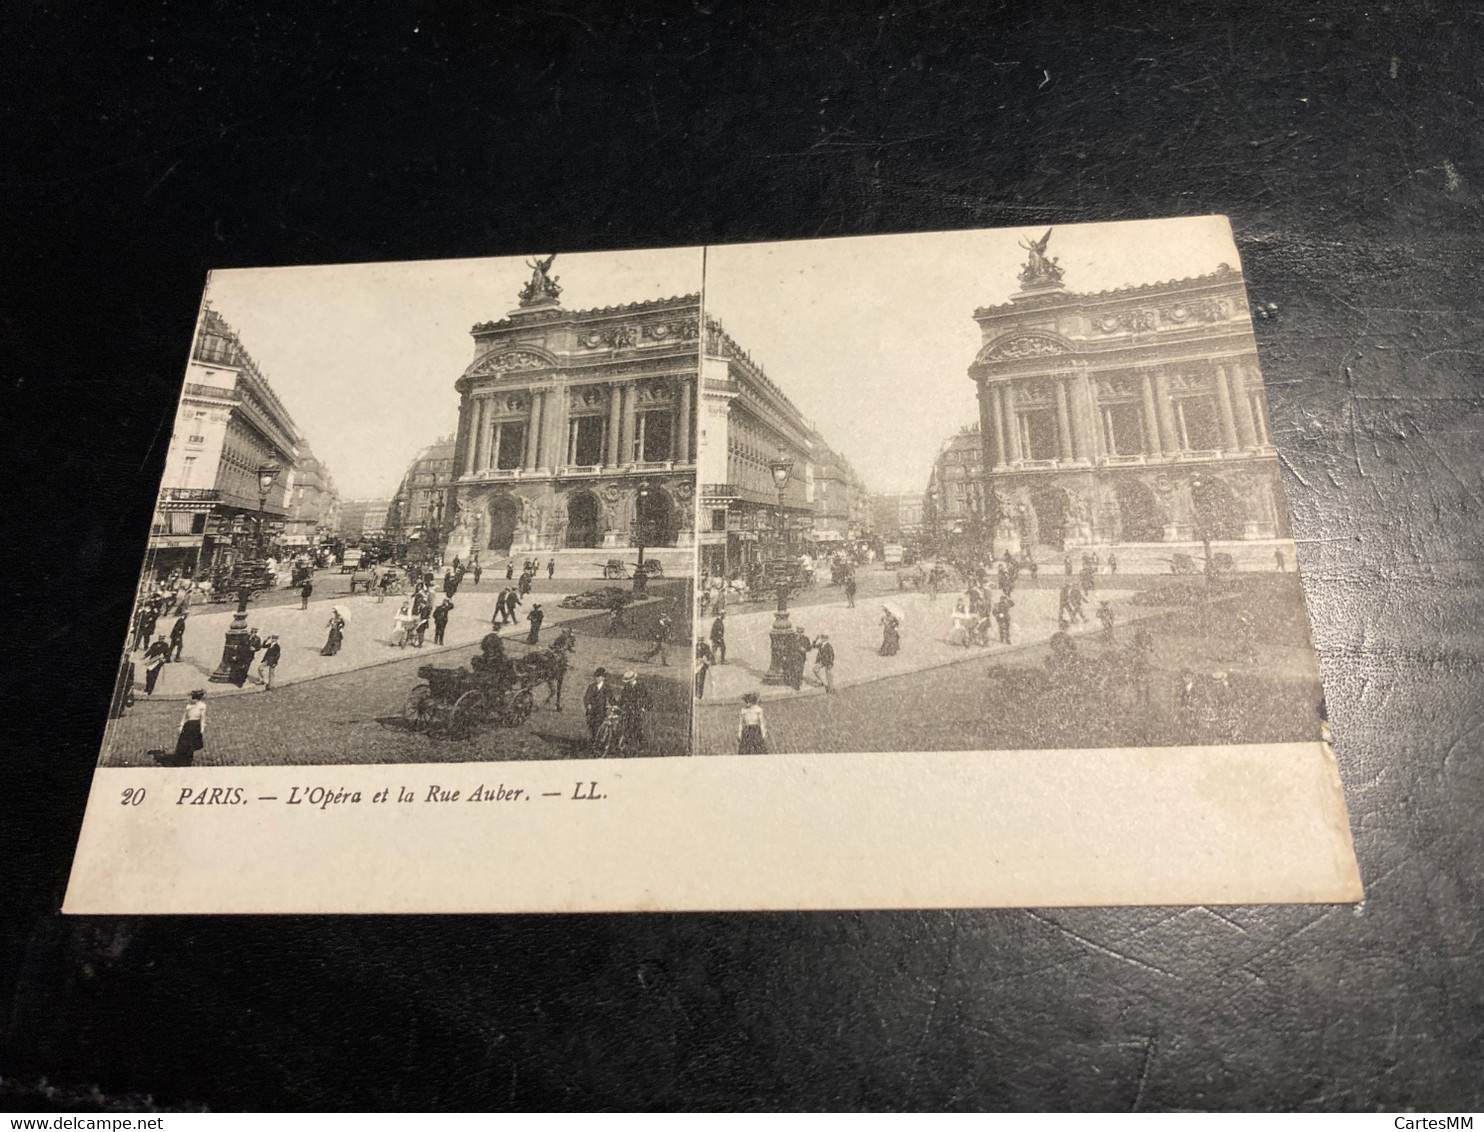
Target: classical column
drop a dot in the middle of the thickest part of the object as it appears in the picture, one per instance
(481, 445)
(1063, 419)
(1246, 426)
(496, 440)
(1012, 422)
(554, 425)
(630, 416)
(1164, 408)
(461, 443)
(615, 411)
(683, 452)
(1110, 442)
(997, 432)
(1180, 421)
(1151, 422)
(533, 432)
(1224, 402)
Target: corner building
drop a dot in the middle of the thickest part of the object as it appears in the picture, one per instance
(1130, 417)
(577, 429)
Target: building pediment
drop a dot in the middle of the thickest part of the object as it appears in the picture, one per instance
(512, 361)
(1020, 345)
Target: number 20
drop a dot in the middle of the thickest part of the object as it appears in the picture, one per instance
(133, 796)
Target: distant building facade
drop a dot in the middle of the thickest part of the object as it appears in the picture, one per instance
(363, 518)
(314, 504)
(419, 509)
(1131, 416)
(577, 428)
(897, 516)
(229, 424)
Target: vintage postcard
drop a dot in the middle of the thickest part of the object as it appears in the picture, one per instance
(948, 569)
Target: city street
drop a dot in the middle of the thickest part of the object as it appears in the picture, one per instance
(347, 708)
(1004, 699)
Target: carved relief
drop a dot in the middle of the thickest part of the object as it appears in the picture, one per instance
(1200, 310)
(511, 361)
(613, 337)
(1019, 347)
(1130, 320)
(588, 397)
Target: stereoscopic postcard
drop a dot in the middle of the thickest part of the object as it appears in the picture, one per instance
(937, 570)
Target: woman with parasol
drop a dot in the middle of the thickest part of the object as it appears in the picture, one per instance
(891, 622)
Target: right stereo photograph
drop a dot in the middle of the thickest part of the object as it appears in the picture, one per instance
(992, 490)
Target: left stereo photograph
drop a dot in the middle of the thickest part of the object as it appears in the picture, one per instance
(423, 513)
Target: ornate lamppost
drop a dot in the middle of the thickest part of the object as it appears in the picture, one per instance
(236, 656)
(641, 571)
(780, 636)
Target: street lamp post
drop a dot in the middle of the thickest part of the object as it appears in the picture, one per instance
(780, 636)
(236, 655)
(641, 572)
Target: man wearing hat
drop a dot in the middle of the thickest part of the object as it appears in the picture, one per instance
(824, 663)
(535, 617)
(633, 702)
(595, 703)
(269, 664)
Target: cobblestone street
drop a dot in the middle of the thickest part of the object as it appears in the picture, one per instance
(346, 709)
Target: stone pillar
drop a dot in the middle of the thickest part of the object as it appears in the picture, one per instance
(496, 438)
(1012, 422)
(1246, 426)
(1180, 426)
(554, 427)
(683, 451)
(461, 442)
(1110, 442)
(997, 432)
(1063, 419)
(1151, 422)
(1224, 402)
(630, 417)
(533, 432)
(615, 411)
(481, 446)
(1084, 418)
(1165, 409)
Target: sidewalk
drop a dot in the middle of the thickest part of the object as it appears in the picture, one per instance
(366, 643)
(856, 635)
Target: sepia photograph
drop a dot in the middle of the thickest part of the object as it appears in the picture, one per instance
(424, 512)
(993, 490)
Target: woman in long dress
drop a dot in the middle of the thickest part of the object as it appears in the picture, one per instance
(337, 633)
(402, 625)
(192, 735)
(752, 727)
(891, 639)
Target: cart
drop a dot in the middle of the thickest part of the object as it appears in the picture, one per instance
(459, 703)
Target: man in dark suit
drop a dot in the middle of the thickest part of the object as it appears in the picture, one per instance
(595, 701)
(719, 638)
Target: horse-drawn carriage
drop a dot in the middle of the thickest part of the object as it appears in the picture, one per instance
(618, 568)
(493, 692)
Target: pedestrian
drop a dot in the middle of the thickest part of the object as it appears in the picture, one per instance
(420, 628)
(402, 626)
(123, 691)
(268, 666)
(661, 631)
(154, 660)
(1089, 576)
(704, 659)
(1112, 564)
(891, 638)
(824, 663)
(1064, 603)
(719, 637)
(1067, 565)
(478, 570)
(550, 569)
(509, 568)
(177, 636)
(752, 727)
(450, 583)
(440, 620)
(304, 591)
(850, 591)
(595, 703)
(1280, 560)
(1032, 565)
(798, 658)
(633, 703)
(192, 734)
(336, 625)
(1075, 598)
(535, 617)
(383, 583)
(1105, 615)
(147, 622)
(525, 583)
(500, 598)
(1002, 617)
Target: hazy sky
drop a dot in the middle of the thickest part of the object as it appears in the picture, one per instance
(364, 357)
(872, 337)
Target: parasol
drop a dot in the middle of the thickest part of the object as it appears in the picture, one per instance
(894, 610)
(340, 609)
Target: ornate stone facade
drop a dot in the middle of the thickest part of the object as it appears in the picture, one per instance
(1133, 416)
(567, 417)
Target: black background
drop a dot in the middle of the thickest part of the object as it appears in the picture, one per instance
(1344, 141)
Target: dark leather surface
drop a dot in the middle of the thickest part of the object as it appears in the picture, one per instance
(1345, 143)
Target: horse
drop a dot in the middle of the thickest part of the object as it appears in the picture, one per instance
(549, 665)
